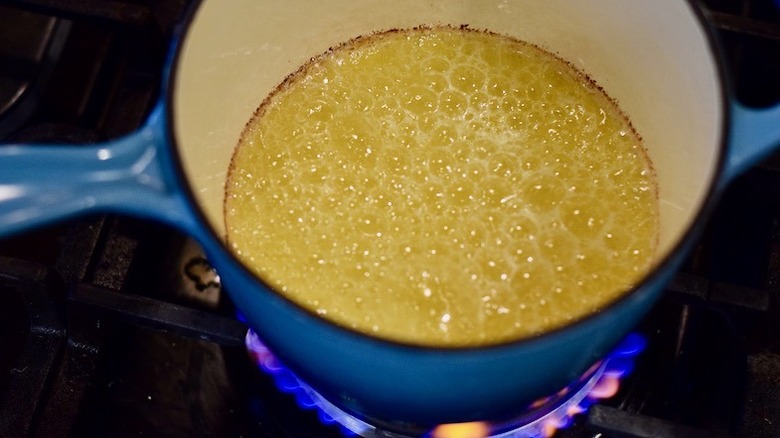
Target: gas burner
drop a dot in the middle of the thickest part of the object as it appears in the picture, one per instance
(542, 419)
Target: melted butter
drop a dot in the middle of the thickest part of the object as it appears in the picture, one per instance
(443, 187)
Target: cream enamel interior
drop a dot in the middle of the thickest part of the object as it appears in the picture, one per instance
(652, 57)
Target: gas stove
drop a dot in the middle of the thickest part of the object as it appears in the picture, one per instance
(116, 326)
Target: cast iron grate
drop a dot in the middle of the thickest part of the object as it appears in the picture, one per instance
(118, 329)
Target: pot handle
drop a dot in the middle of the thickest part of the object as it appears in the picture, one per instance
(754, 134)
(42, 183)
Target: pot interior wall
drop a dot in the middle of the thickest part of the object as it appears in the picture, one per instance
(653, 58)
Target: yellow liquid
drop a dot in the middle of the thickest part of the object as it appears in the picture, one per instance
(443, 187)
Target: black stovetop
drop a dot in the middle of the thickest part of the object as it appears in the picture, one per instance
(115, 326)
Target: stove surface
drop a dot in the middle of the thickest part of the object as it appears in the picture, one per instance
(115, 326)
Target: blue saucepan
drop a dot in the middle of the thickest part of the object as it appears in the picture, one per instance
(658, 59)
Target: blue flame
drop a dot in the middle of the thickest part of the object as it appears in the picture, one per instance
(558, 412)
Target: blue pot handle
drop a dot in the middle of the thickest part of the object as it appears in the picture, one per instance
(754, 134)
(42, 183)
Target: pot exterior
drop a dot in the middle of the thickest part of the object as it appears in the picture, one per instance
(655, 59)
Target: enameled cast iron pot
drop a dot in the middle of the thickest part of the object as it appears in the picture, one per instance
(657, 59)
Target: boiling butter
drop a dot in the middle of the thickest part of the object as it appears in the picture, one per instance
(443, 187)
